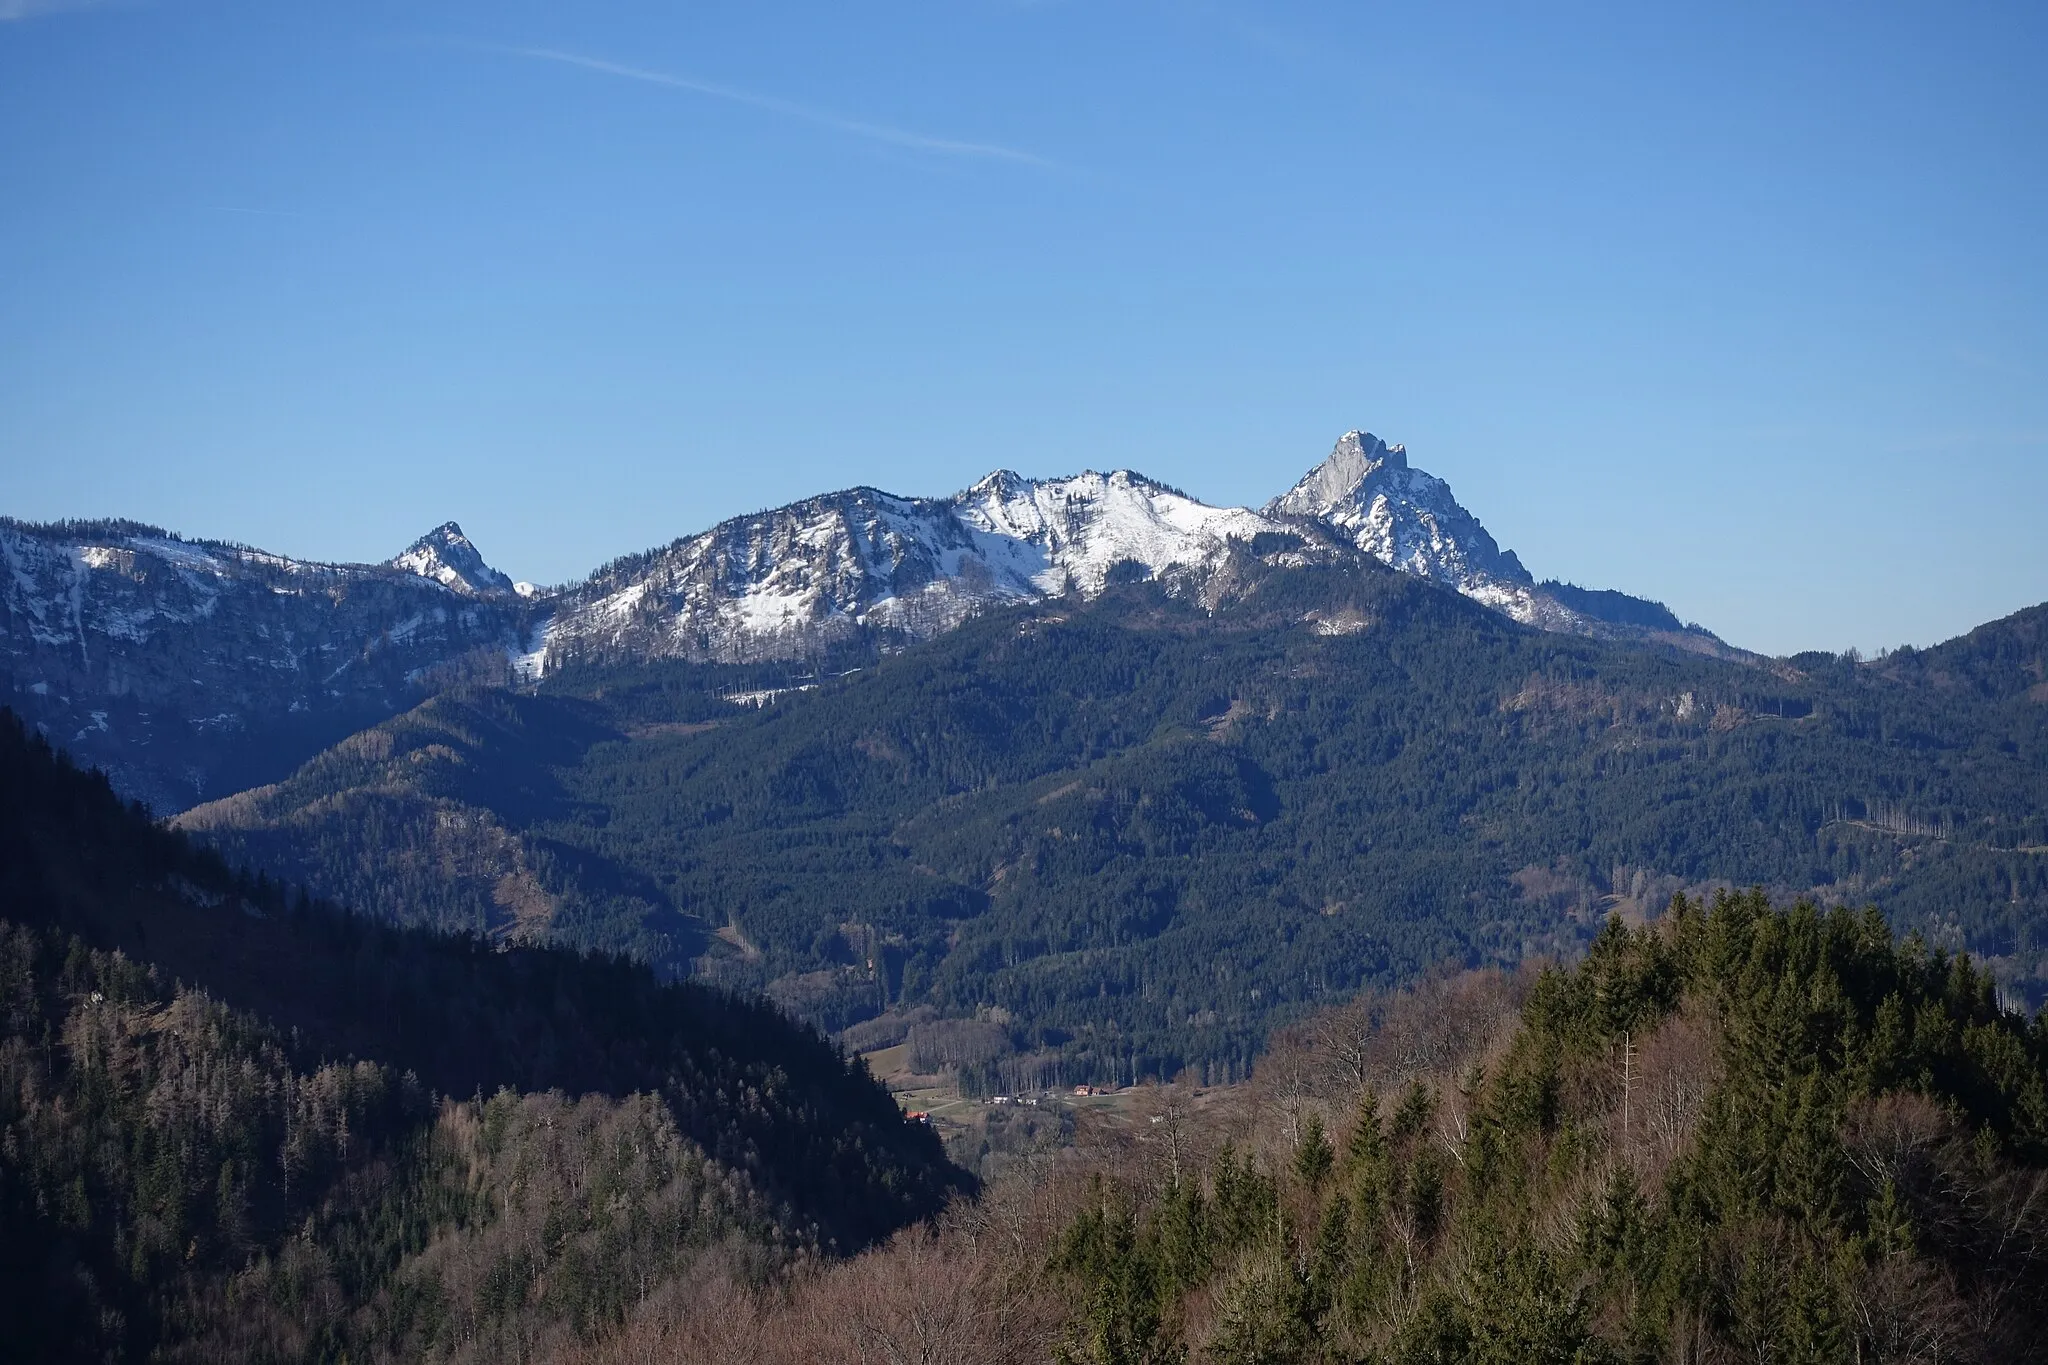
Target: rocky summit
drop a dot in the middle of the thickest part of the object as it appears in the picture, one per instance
(446, 556)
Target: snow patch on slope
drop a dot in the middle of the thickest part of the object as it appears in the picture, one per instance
(1064, 535)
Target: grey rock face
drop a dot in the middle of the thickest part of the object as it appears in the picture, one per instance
(1407, 519)
(1368, 492)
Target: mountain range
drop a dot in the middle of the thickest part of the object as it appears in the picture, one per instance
(190, 669)
(1110, 778)
(868, 569)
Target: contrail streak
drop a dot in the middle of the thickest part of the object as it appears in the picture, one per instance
(823, 118)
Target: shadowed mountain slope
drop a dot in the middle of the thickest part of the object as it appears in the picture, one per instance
(143, 978)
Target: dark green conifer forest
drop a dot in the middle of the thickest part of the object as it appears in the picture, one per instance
(1144, 831)
(1743, 1134)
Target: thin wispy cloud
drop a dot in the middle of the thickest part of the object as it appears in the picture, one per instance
(823, 118)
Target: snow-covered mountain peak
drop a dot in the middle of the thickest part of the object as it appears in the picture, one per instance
(1338, 480)
(863, 564)
(999, 482)
(214, 658)
(449, 558)
(1407, 518)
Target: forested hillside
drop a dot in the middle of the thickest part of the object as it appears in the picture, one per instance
(1741, 1134)
(1746, 1134)
(1129, 836)
(438, 817)
(238, 1124)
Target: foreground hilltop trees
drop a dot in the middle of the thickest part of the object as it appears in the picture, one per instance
(238, 1126)
(1744, 1134)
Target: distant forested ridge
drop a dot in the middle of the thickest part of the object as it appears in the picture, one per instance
(239, 1124)
(1130, 835)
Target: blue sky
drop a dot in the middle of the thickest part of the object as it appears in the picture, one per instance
(1744, 308)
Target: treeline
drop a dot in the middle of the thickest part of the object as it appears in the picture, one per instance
(235, 1123)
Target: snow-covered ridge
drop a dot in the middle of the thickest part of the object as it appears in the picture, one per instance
(797, 580)
(794, 580)
(66, 582)
(1082, 527)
